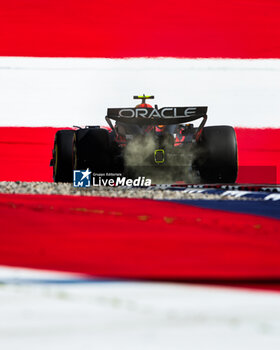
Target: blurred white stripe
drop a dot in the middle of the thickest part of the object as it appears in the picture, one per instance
(135, 315)
(78, 91)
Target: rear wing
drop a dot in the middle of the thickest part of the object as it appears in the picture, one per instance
(155, 116)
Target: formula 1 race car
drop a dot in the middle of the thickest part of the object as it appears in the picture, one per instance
(152, 142)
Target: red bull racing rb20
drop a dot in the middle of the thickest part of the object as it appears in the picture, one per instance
(146, 141)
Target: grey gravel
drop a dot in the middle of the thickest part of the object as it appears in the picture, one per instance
(19, 187)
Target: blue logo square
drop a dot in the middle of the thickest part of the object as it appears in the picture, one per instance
(81, 178)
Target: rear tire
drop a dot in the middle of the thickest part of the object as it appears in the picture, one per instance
(62, 155)
(217, 155)
(91, 149)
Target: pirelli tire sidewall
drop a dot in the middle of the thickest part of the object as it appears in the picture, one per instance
(92, 149)
(217, 155)
(62, 165)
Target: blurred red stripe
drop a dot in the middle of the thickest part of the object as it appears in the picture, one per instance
(258, 155)
(136, 238)
(109, 28)
(25, 154)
